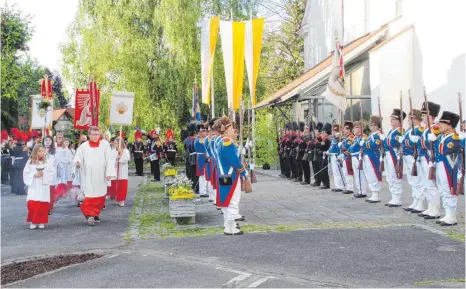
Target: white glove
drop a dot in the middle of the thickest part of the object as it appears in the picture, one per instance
(401, 139)
(326, 152)
(383, 137)
(361, 142)
(339, 145)
(251, 167)
(431, 164)
(244, 151)
(432, 137)
(414, 138)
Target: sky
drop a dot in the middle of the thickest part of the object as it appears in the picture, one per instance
(50, 19)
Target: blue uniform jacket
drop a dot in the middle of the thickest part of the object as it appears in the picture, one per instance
(425, 144)
(201, 156)
(408, 145)
(334, 149)
(372, 151)
(392, 144)
(448, 148)
(229, 164)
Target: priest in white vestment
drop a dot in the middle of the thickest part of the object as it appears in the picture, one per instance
(97, 167)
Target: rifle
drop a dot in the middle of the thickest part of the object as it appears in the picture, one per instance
(399, 163)
(415, 151)
(245, 183)
(460, 183)
(432, 155)
(361, 151)
(382, 148)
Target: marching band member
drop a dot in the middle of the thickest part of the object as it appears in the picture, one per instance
(97, 167)
(305, 157)
(334, 153)
(415, 182)
(201, 160)
(121, 156)
(170, 149)
(19, 156)
(448, 146)
(322, 148)
(372, 158)
(298, 144)
(392, 146)
(38, 175)
(315, 158)
(155, 149)
(286, 151)
(139, 151)
(429, 188)
(345, 157)
(231, 170)
(191, 154)
(292, 150)
(355, 151)
(6, 158)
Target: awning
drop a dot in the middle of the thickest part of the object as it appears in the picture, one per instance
(321, 71)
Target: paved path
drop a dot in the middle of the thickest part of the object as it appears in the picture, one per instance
(366, 255)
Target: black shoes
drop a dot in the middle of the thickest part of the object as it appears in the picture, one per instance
(324, 187)
(393, 206)
(315, 185)
(359, 196)
(347, 192)
(408, 209)
(337, 190)
(240, 219)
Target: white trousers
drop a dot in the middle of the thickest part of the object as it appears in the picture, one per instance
(428, 186)
(394, 184)
(210, 191)
(337, 172)
(202, 186)
(449, 201)
(231, 213)
(374, 184)
(349, 179)
(414, 181)
(361, 182)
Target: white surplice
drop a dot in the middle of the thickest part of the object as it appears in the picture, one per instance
(96, 165)
(64, 158)
(39, 188)
(122, 165)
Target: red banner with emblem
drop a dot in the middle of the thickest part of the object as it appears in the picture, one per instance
(82, 110)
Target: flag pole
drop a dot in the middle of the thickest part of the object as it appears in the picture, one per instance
(212, 97)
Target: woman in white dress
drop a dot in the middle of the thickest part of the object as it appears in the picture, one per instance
(122, 156)
(38, 175)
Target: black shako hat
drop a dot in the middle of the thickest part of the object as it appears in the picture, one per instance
(327, 128)
(319, 126)
(397, 114)
(434, 109)
(450, 118)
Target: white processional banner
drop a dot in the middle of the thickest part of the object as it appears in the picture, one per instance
(121, 108)
(40, 118)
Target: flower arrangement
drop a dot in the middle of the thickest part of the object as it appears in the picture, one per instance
(166, 166)
(44, 104)
(170, 173)
(180, 189)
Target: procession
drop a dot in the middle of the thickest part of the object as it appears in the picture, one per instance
(233, 144)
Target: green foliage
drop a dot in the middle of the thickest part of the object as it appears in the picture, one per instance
(266, 138)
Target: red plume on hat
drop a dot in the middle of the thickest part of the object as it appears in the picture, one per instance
(35, 133)
(138, 134)
(14, 131)
(4, 135)
(21, 136)
(169, 134)
(30, 134)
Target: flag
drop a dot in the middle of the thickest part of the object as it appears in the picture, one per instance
(195, 110)
(209, 34)
(335, 93)
(233, 42)
(82, 110)
(254, 30)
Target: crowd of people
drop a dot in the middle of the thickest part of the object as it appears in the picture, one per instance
(430, 157)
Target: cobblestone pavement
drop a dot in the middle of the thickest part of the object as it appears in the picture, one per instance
(278, 201)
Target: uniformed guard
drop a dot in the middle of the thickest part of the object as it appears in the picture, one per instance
(293, 152)
(334, 153)
(170, 150)
(201, 159)
(411, 159)
(322, 148)
(300, 151)
(288, 151)
(345, 157)
(280, 148)
(446, 162)
(392, 147)
(138, 151)
(355, 151)
(429, 113)
(6, 158)
(305, 158)
(191, 154)
(155, 149)
(372, 157)
(285, 151)
(315, 159)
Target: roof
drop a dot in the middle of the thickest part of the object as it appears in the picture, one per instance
(57, 113)
(296, 85)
